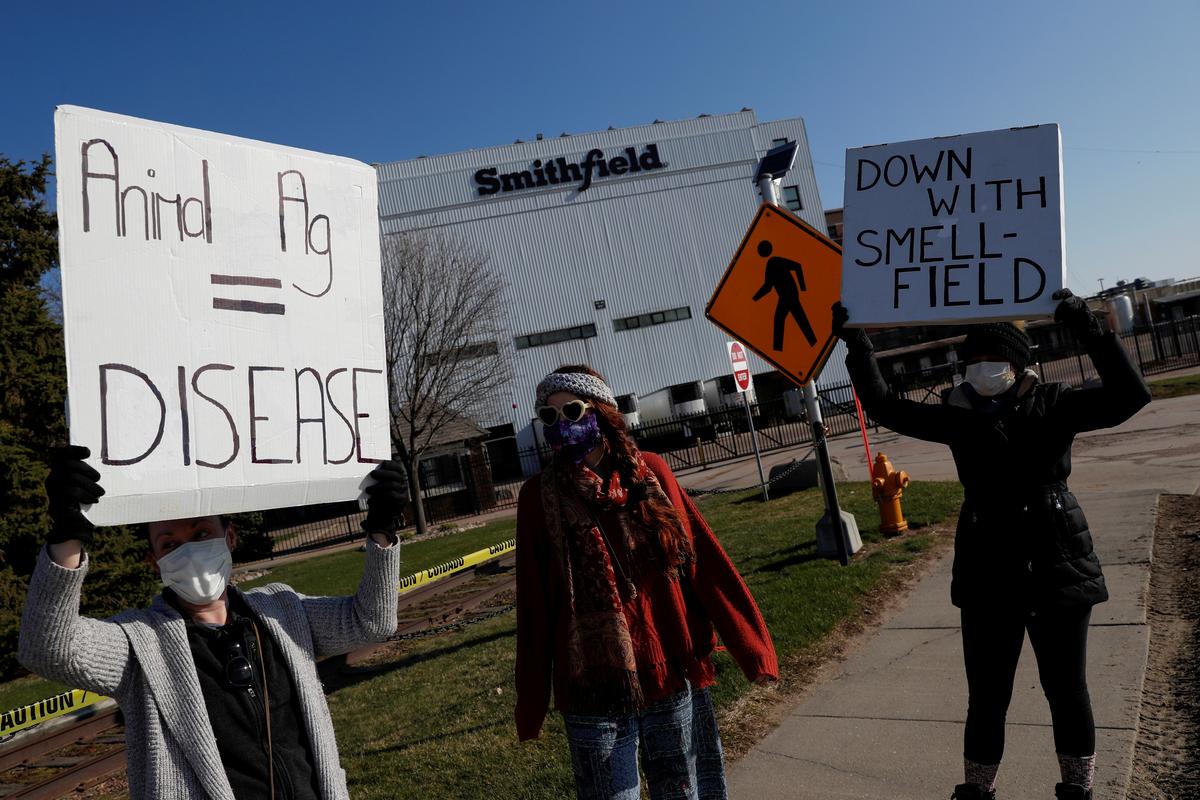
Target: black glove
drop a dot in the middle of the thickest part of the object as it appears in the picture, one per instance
(71, 483)
(856, 339)
(386, 498)
(1073, 312)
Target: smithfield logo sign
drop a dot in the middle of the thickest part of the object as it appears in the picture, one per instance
(555, 171)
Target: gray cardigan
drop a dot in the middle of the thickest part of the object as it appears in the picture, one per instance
(141, 658)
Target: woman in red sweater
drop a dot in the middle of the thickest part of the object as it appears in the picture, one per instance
(620, 584)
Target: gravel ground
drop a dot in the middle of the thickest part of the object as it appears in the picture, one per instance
(1166, 763)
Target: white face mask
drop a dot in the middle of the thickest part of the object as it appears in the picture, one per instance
(991, 378)
(198, 571)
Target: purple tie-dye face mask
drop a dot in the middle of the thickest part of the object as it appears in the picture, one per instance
(574, 440)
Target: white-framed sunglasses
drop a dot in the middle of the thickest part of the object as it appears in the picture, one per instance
(571, 411)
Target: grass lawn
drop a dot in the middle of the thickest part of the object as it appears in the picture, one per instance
(338, 573)
(30, 689)
(437, 720)
(1175, 387)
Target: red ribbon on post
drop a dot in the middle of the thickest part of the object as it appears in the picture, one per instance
(862, 426)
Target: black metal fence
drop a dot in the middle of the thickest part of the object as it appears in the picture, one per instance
(710, 437)
(342, 526)
(1165, 346)
(1162, 347)
(488, 477)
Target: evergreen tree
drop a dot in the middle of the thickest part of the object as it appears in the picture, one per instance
(32, 367)
(33, 384)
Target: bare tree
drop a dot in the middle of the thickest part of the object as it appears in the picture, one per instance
(448, 351)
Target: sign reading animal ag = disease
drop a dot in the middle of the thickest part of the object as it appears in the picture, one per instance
(776, 296)
(223, 317)
(739, 362)
(954, 229)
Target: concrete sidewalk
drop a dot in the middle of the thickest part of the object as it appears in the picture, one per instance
(887, 722)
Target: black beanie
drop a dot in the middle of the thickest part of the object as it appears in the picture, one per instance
(1001, 339)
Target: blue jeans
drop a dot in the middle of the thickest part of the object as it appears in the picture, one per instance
(680, 751)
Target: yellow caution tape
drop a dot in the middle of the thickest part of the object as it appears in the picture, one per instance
(410, 582)
(35, 713)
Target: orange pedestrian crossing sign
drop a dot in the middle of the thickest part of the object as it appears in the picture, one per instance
(777, 293)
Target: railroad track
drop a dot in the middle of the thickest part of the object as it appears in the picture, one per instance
(76, 756)
(70, 758)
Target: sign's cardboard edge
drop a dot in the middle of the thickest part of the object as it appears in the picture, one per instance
(1062, 236)
(233, 138)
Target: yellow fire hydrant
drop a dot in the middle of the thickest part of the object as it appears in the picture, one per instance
(887, 487)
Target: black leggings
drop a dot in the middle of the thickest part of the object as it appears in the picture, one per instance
(992, 643)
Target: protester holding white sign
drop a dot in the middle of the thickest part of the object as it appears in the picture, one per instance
(1023, 558)
(223, 318)
(954, 229)
(224, 342)
(218, 687)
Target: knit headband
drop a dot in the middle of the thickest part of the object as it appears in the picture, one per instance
(577, 383)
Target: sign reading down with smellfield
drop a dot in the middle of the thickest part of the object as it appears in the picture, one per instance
(954, 229)
(223, 317)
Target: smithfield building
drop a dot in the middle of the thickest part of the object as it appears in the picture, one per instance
(610, 245)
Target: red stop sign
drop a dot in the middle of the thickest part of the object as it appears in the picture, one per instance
(740, 365)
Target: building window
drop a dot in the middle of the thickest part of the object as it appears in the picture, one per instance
(554, 337)
(791, 198)
(776, 142)
(653, 318)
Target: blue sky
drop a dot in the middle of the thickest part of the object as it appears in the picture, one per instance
(380, 82)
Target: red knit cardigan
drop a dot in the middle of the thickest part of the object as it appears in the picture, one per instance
(670, 621)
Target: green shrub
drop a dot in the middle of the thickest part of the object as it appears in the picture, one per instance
(12, 600)
(254, 543)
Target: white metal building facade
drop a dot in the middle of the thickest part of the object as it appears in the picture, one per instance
(611, 244)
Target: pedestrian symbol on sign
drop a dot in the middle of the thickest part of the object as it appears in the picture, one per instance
(778, 278)
(781, 256)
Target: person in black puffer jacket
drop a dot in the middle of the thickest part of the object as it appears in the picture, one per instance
(1023, 556)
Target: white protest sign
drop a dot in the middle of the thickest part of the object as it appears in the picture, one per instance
(223, 317)
(954, 229)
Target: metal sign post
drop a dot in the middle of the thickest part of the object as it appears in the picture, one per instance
(835, 520)
(740, 364)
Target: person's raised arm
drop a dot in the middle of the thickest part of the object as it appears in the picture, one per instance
(933, 423)
(1123, 390)
(55, 641)
(340, 624)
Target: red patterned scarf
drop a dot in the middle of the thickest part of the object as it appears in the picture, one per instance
(602, 664)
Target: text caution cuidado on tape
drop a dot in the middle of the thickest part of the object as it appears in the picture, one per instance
(410, 582)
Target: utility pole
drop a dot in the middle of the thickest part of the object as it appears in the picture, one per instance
(836, 523)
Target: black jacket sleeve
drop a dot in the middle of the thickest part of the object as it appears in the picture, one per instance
(1122, 394)
(934, 423)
